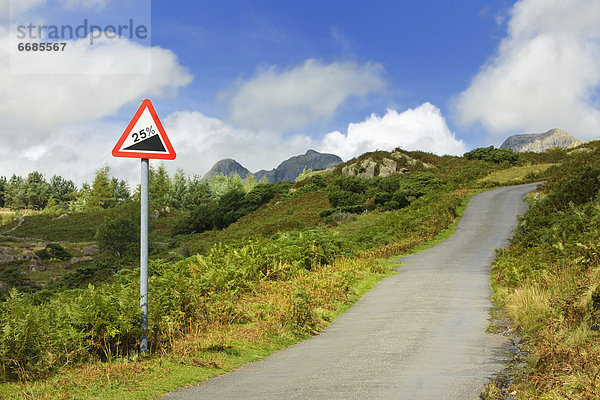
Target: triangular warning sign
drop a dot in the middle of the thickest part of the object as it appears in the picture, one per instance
(144, 137)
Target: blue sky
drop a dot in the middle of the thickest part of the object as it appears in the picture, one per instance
(260, 81)
(427, 55)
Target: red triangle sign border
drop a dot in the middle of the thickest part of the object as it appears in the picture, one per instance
(118, 149)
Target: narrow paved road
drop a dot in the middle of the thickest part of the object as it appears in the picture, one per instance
(419, 334)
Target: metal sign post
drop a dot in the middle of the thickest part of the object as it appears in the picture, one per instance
(144, 198)
(144, 138)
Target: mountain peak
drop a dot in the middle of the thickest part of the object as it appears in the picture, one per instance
(540, 142)
(227, 167)
(288, 170)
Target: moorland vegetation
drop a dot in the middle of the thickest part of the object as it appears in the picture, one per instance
(240, 268)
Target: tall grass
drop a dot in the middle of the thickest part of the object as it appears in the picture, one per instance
(548, 282)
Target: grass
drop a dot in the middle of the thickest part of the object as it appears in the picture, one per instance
(196, 357)
(78, 227)
(294, 213)
(515, 174)
(547, 283)
(214, 349)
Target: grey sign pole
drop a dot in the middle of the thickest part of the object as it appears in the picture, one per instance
(144, 253)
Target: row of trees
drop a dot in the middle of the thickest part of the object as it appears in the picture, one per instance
(180, 191)
(35, 192)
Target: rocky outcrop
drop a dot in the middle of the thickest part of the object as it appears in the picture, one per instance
(372, 166)
(288, 170)
(540, 142)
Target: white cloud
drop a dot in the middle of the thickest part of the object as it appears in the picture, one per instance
(546, 73)
(85, 4)
(38, 104)
(56, 122)
(421, 128)
(77, 151)
(309, 93)
(15, 7)
(200, 141)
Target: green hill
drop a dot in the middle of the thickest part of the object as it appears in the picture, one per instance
(237, 268)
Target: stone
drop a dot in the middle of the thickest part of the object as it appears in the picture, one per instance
(90, 250)
(387, 167)
(6, 258)
(540, 142)
(76, 260)
(36, 265)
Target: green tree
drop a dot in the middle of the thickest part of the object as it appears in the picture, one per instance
(120, 190)
(220, 184)
(118, 234)
(3, 186)
(37, 191)
(79, 202)
(62, 190)
(494, 155)
(249, 183)
(101, 194)
(200, 219)
(230, 207)
(15, 193)
(160, 185)
(177, 194)
(198, 192)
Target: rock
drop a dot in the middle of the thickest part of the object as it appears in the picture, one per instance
(76, 260)
(387, 167)
(393, 164)
(288, 170)
(540, 142)
(36, 265)
(5, 250)
(90, 250)
(6, 258)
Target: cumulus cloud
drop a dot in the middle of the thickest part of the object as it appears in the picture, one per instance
(76, 151)
(202, 141)
(294, 98)
(545, 74)
(421, 128)
(37, 104)
(18, 6)
(85, 4)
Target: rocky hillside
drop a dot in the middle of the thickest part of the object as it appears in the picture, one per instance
(382, 164)
(288, 170)
(540, 142)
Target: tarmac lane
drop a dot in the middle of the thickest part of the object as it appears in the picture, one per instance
(419, 334)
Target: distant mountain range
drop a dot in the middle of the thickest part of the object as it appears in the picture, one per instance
(288, 170)
(540, 142)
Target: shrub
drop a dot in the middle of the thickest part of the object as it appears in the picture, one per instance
(494, 155)
(118, 235)
(53, 250)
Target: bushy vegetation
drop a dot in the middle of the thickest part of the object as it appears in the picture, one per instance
(491, 154)
(102, 322)
(356, 195)
(228, 255)
(549, 283)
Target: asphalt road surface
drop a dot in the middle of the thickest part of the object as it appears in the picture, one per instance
(419, 334)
